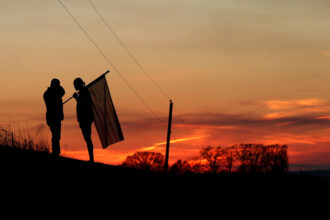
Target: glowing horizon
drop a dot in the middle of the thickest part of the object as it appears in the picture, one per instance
(238, 71)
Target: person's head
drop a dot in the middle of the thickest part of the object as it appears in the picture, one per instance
(78, 83)
(55, 83)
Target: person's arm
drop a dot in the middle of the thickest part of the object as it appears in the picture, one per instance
(62, 91)
(45, 96)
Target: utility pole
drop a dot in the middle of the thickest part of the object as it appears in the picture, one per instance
(168, 137)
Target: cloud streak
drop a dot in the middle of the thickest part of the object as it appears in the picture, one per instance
(172, 142)
(274, 104)
(294, 108)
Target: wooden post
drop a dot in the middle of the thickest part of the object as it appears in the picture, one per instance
(168, 137)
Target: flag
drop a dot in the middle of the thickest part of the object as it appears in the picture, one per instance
(105, 116)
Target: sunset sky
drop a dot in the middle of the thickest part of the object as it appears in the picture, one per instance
(238, 71)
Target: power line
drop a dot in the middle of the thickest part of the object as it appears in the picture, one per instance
(128, 51)
(137, 62)
(106, 58)
(132, 57)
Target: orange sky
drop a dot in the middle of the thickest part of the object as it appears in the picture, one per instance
(238, 72)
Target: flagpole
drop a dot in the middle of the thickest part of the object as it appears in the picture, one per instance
(105, 115)
(90, 84)
(98, 78)
(68, 100)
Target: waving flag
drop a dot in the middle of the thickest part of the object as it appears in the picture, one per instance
(105, 116)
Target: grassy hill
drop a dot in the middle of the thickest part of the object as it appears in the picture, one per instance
(25, 170)
(20, 162)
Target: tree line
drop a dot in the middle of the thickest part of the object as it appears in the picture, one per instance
(243, 158)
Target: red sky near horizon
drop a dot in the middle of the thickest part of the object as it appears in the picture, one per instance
(238, 72)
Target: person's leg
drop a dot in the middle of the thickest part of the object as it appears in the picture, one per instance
(56, 136)
(53, 130)
(87, 131)
(58, 133)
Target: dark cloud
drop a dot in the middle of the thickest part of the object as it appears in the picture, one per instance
(231, 120)
(218, 119)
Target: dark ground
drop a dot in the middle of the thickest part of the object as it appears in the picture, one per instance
(33, 174)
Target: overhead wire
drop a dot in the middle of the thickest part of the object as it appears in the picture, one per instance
(127, 50)
(110, 63)
(106, 58)
(109, 26)
(132, 57)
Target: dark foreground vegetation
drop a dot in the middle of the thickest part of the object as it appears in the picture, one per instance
(41, 171)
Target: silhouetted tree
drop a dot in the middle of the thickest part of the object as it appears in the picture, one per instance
(228, 158)
(145, 161)
(275, 159)
(249, 156)
(213, 156)
(181, 167)
(199, 167)
(260, 158)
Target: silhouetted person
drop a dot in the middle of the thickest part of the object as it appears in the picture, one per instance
(85, 115)
(54, 115)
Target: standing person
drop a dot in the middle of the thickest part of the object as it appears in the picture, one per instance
(85, 115)
(54, 115)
